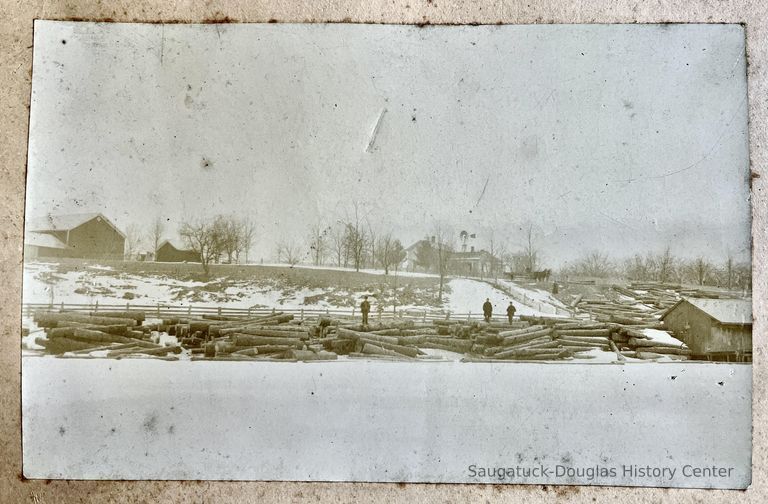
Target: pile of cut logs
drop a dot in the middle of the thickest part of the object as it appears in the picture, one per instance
(117, 333)
(279, 337)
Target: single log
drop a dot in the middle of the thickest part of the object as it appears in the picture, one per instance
(579, 326)
(138, 316)
(412, 340)
(268, 333)
(98, 336)
(342, 346)
(369, 348)
(392, 358)
(512, 340)
(253, 340)
(61, 345)
(638, 342)
(632, 333)
(50, 319)
(346, 333)
(666, 350)
(630, 321)
(539, 339)
(67, 332)
(585, 340)
(528, 351)
(616, 351)
(583, 332)
(405, 350)
(146, 351)
(541, 356)
(308, 355)
(459, 345)
(517, 332)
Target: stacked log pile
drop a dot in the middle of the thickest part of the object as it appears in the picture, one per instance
(279, 337)
(117, 333)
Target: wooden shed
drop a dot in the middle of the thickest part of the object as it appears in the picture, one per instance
(89, 235)
(714, 329)
(170, 251)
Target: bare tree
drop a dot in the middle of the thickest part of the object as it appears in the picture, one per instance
(249, 235)
(338, 243)
(356, 236)
(390, 252)
(444, 249)
(700, 270)
(318, 243)
(156, 233)
(133, 239)
(530, 250)
(594, 264)
(665, 264)
(729, 271)
(497, 252)
(231, 233)
(205, 238)
(288, 252)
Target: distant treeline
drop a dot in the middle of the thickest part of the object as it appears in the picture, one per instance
(663, 267)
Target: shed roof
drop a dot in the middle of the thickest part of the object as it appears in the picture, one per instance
(177, 244)
(725, 311)
(65, 222)
(43, 240)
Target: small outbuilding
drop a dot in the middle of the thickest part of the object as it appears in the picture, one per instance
(714, 329)
(172, 251)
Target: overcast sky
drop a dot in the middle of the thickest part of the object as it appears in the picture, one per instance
(613, 137)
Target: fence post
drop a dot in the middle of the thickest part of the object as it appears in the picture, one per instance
(353, 311)
(273, 310)
(423, 320)
(158, 310)
(249, 312)
(189, 310)
(127, 306)
(448, 315)
(469, 314)
(96, 308)
(302, 314)
(62, 306)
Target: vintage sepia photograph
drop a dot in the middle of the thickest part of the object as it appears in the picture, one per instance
(338, 252)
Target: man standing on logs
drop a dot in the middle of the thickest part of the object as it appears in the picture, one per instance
(487, 309)
(365, 308)
(511, 311)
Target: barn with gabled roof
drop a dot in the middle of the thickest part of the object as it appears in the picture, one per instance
(87, 235)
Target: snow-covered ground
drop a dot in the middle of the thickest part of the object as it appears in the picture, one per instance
(92, 283)
(392, 421)
(370, 271)
(468, 296)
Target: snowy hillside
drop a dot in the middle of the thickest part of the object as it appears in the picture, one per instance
(89, 283)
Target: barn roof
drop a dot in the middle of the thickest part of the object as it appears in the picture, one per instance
(725, 311)
(65, 222)
(43, 240)
(177, 244)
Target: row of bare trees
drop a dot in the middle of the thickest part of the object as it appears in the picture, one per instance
(353, 241)
(221, 239)
(663, 267)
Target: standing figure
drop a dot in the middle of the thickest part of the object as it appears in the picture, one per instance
(365, 308)
(487, 310)
(511, 311)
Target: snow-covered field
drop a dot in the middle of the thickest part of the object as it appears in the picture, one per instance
(92, 283)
